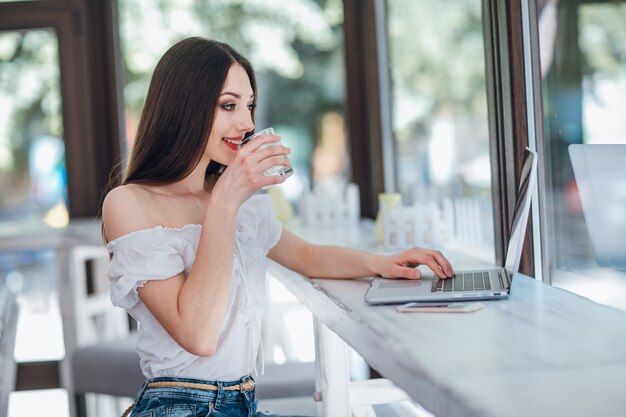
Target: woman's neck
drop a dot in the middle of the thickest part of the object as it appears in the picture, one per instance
(194, 184)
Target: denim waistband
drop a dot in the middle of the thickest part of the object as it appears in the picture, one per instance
(216, 396)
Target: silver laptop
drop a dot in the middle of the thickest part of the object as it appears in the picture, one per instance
(600, 172)
(483, 284)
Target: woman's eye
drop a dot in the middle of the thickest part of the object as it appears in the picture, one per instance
(228, 107)
(251, 107)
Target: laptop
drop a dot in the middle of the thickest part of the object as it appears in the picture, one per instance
(600, 172)
(483, 284)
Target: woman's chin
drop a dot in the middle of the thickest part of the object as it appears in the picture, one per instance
(224, 161)
(221, 159)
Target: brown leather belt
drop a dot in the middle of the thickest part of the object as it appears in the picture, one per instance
(246, 386)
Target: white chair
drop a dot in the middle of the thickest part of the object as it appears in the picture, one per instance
(287, 387)
(101, 367)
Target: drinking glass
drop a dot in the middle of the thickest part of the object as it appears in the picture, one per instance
(278, 170)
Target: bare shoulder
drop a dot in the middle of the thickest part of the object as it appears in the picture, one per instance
(124, 211)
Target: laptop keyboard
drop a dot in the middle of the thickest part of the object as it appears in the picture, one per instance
(469, 281)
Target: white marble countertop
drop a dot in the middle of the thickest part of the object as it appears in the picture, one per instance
(541, 352)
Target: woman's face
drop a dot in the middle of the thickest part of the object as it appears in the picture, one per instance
(233, 116)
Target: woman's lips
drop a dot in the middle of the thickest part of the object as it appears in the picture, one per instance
(232, 143)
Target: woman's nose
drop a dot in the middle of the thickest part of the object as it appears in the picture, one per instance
(245, 122)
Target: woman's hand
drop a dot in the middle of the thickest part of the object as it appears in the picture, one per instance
(244, 176)
(403, 265)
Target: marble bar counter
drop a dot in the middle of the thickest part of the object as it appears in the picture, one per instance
(541, 352)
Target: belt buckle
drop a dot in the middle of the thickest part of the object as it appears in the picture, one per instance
(247, 386)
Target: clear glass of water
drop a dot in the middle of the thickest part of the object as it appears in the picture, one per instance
(278, 170)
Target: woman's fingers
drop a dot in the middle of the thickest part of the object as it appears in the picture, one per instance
(252, 175)
(246, 170)
(408, 272)
(433, 259)
(251, 162)
(442, 262)
(264, 158)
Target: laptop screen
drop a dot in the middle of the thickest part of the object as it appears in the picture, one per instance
(521, 211)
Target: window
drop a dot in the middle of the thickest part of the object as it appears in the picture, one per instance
(32, 181)
(33, 189)
(32, 151)
(583, 66)
(439, 114)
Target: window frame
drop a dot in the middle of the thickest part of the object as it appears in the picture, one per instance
(91, 103)
(363, 102)
(508, 119)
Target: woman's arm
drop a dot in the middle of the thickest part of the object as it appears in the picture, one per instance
(321, 261)
(191, 308)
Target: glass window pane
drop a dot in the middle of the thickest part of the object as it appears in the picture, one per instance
(296, 48)
(439, 115)
(32, 154)
(33, 187)
(583, 60)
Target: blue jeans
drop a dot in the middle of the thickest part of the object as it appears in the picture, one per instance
(192, 402)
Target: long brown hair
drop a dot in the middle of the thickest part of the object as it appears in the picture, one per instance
(178, 113)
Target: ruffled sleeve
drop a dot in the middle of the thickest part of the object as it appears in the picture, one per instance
(150, 254)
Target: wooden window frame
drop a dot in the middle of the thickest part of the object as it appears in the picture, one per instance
(363, 101)
(91, 100)
(508, 118)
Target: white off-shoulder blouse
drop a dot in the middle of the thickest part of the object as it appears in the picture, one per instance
(160, 253)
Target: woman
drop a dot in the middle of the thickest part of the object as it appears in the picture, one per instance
(189, 238)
